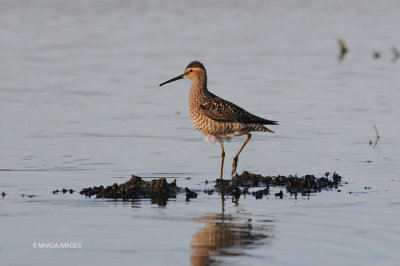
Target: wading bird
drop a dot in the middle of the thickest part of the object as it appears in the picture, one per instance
(215, 117)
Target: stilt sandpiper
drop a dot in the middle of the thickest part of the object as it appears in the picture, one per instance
(215, 117)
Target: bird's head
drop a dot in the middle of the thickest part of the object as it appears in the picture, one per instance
(195, 71)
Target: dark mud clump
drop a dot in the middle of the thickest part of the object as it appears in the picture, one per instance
(190, 194)
(158, 190)
(240, 184)
(63, 191)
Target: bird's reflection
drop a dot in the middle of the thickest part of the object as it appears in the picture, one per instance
(226, 235)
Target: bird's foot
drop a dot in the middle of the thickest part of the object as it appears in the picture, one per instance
(234, 165)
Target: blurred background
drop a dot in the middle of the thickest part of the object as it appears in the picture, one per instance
(80, 106)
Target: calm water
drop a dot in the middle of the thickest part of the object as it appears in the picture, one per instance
(80, 106)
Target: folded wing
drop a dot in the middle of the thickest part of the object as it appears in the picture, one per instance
(221, 110)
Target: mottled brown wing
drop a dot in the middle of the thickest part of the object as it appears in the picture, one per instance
(220, 110)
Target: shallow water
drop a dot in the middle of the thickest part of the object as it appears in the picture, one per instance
(80, 106)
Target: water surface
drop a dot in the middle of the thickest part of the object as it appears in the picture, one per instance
(80, 106)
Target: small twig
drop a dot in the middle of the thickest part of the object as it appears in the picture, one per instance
(377, 137)
(376, 132)
(396, 54)
(343, 49)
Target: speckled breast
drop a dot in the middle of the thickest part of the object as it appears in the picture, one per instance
(213, 130)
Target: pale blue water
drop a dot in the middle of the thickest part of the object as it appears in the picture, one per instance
(80, 106)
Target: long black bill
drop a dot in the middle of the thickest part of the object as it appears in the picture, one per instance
(176, 78)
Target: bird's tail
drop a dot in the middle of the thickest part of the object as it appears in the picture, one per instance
(268, 122)
(259, 127)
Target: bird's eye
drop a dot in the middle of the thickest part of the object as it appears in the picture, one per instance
(191, 70)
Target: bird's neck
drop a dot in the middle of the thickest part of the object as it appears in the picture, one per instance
(199, 87)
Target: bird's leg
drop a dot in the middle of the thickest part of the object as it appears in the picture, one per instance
(222, 160)
(236, 158)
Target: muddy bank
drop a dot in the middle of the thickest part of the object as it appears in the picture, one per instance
(241, 184)
(158, 190)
